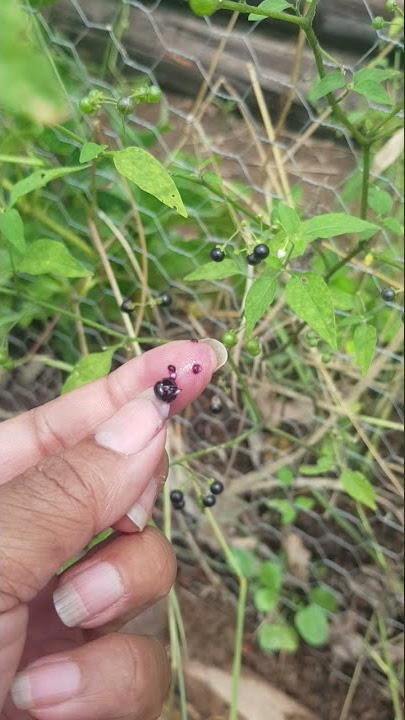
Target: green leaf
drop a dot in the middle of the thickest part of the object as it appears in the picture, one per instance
(333, 224)
(11, 226)
(214, 271)
(258, 301)
(365, 343)
(50, 257)
(277, 638)
(323, 465)
(376, 75)
(304, 503)
(285, 477)
(372, 91)
(326, 599)
(380, 201)
(29, 84)
(245, 561)
(39, 179)
(309, 297)
(394, 226)
(312, 625)
(270, 6)
(356, 485)
(147, 173)
(341, 300)
(90, 367)
(90, 151)
(271, 575)
(331, 82)
(265, 599)
(286, 510)
(289, 219)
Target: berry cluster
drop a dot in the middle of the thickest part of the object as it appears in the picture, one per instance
(260, 253)
(208, 501)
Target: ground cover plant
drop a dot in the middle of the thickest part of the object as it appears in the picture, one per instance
(120, 232)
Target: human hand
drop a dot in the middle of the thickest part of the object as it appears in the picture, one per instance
(89, 460)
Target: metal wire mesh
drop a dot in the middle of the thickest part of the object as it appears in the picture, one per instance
(208, 70)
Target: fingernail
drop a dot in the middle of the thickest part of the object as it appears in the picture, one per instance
(45, 685)
(141, 512)
(132, 428)
(88, 593)
(219, 351)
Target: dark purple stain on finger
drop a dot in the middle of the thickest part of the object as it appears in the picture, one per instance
(172, 372)
(196, 369)
(194, 340)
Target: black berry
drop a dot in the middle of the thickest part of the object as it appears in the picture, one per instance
(176, 496)
(217, 487)
(180, 505)
(165, 300)
(127, 306)
(209, 501)
(388, 294)
(216, 405)
(252, 259)
(261, 252)
(166, 390)
(217, 255)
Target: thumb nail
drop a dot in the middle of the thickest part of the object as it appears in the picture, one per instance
(219, 350)
(132, 428)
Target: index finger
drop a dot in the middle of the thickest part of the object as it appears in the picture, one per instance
(62, 423)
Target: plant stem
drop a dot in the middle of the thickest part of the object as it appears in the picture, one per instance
(366, 180)
(245, 8)
(240, 615)
(310, 14)
(21, 160)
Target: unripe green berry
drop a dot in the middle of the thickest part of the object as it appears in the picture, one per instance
(204, 8)
(229, 339)
(125, 105)
(312, 341)
(86, 106)
(253, 347)
(378, 23)
(326, 358)
(154, 95)
(391, 5)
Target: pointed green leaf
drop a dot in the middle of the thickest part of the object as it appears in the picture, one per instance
(324, 464)
(312, 625)
(214, 271)
(269, 6)
(341, 300)
(380, 201)
(258, 301)
(309, 297)
(90, 367)
(333, 224)
(289, 219)
(284, 507)
(365, 343)
(11, 226)
(39, 179)
(376, 75)
(90, 151)
(245, 561)
(147, 173)
(277, 638)
(356, 485)
(372, 91)
(50, 257)
(331, 82)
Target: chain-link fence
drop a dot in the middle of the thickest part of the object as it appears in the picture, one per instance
(236, 101)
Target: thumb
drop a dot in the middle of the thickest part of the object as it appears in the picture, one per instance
(56, 507)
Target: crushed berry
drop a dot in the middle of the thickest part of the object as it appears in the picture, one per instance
(197, 369)
(166, 390)
(172, 372)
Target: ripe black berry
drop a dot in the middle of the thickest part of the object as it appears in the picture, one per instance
(252, 259)
(217, 255)
(176, 496)
(209, 501)
(388, 294)
(216, 405)
(261, 252)
(166, 390)
(180, 505)
(165, 300)
(217, 487)
(127, 306)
